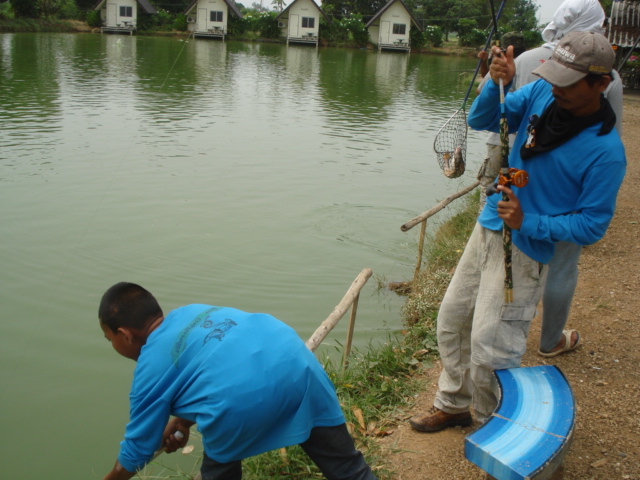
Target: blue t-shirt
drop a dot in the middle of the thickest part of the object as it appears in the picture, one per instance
(246, 379)
(572, 189)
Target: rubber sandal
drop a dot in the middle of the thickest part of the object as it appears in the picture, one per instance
(567, 345)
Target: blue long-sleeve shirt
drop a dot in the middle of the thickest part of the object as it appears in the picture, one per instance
(246, 379)
(572, 189)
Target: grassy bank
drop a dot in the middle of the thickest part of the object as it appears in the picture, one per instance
(22, 25)
(379, 385)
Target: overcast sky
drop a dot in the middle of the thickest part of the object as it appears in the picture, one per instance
(546, 10)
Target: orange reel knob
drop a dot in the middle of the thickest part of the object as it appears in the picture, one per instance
(519, 178)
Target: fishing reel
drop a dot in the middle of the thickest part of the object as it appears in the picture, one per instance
(515, 177)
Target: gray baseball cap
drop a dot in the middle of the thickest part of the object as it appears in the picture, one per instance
(576, 55)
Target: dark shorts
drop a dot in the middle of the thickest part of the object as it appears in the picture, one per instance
(330, 448)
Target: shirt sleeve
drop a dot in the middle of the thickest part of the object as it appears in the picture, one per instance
(143, 436)
(485, 112)
(595, 207)
(614, 96)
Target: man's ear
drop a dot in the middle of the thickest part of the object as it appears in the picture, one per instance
(603, 83)
(129, 334)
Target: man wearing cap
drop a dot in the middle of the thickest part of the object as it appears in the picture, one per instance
(567, 143)
(562, 275)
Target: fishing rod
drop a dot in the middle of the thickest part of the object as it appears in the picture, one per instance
(494, 29)
(508, 177)
(450, 143)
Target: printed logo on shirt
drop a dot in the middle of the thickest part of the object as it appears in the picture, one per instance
(220, 329)
(181, 342)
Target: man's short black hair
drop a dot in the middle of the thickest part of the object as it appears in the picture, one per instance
(128, 305)
(593, 78)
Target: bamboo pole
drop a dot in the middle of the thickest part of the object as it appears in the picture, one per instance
(423, 216)
(352, 324)
(423, 231)
(338, 312)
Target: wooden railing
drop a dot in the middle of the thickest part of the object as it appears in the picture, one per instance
(350, 299)
(422, 218)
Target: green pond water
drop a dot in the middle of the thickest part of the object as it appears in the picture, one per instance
(258, 176)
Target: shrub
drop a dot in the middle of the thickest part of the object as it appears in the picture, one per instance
(473, 38)
(334, 32)
(69, 10)
(93, 19)
(433, 35)
(180, 23)
(5, 11)
(268, 25)
(417, 38)
(357, 30)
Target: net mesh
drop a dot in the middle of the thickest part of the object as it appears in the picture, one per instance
(450, 145)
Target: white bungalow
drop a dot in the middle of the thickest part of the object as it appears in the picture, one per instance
(120, 16)
(389, 28)
(300, 22)
(208, 18)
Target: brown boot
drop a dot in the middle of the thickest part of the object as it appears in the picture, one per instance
(435, 420)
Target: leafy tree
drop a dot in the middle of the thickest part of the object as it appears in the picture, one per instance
(433, 35)
(86, 4)
(68, 9)
(24, 8)
(337, 9)
(180, 23)
(236, 25)
(48, 8)
(173, 6)
(417, 38)
(447, 14)
(357, 30)
(333, 32)
(521, 17)
(93, 19)
(278, 5)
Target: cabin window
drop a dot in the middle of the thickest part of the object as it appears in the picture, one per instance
(308, 22)
(215, 16)
(399, 29)
(126, 11)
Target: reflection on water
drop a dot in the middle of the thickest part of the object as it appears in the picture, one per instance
(254, 175)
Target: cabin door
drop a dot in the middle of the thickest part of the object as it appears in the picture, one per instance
(294, 25)
(112, 14)
(201, 26)
(385, 32)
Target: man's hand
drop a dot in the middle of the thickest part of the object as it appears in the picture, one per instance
(483, 55)
(169, 441)
(511, 211)
(119, 473)
(502, 65)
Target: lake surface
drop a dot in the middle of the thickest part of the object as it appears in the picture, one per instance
(258, 176)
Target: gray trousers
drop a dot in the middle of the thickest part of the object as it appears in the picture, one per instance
(477, 331)
(562, 279)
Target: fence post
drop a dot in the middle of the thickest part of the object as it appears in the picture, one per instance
(338, 312)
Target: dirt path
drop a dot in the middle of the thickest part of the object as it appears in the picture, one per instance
(604, 372)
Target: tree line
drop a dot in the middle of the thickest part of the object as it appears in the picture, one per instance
(471, 20)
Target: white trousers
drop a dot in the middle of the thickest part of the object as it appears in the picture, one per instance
(477, 331)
